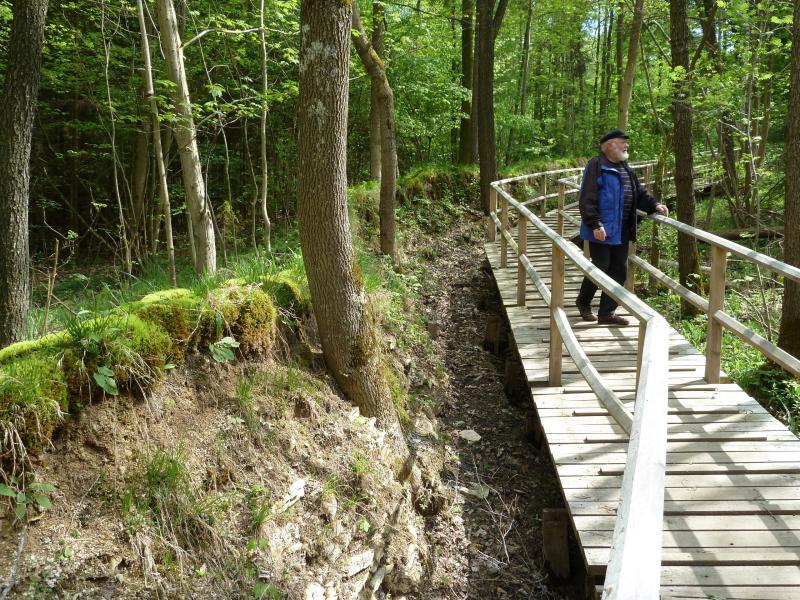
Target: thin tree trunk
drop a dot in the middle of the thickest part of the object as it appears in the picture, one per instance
(186, 137)
(350, 341)
(121, 227)
(17, 111)
(523, 75)
(626, 90)
(377, 73)
(619, 44)
(378, 27)
(264, 179)
(789, 336)
(139, 179)
(688, 263)
(473, 119)
(467, 65)
(156, 131)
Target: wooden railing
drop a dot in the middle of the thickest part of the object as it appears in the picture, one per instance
(634, 567)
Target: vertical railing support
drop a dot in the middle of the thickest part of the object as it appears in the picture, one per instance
(503, 228)
(556, 302)
(543, 209)
(655, 250)
(630, 278)
(491, 227)
(522, 276)
(716, 301)
(562, 190)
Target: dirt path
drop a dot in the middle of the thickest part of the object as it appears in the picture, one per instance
(492, 548)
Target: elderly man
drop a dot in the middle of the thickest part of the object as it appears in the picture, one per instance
(610, 195)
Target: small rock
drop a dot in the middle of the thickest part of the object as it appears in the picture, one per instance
(359, 562)
(377, 579)
(315, 591)
(470, 435)
(329, 506)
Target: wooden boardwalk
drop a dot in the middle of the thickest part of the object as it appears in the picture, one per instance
(732, 498)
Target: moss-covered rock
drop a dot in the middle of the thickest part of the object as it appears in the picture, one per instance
(289, 291)
(177, 311)
(33, 400)
(247, 312)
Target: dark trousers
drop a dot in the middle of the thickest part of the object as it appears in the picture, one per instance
(611, 260)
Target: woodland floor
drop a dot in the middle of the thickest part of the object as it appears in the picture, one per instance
(117, 530)
(500, 553)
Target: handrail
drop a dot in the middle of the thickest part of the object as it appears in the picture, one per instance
(633, 571)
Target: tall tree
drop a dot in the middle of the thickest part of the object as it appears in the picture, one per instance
(17, 111)
(489, 22)
(688, 263)
(626, 89)
(347, 328)
(521, 106)
(378, 28)
(264, 173)
(385, 97)
(789, 338)
(202, 227)
(157, 147)
(467, 58)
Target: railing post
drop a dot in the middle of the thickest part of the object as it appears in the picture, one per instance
(556, 301)
(522, 276)
(562, 190)
(491, 227)
(630, 278)
(654, 246)
(716, 301)
(543, 209)
(503, 228)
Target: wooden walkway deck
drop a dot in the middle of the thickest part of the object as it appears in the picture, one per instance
(732, 498)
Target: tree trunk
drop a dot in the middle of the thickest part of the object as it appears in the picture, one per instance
(626, 90)
(377, 74)
(17, 111)
(789, 337)
(264, 173)
(186, 138)
(348, 331)
(378, 28)
(487, 150)
(473, 119)
(139, 179)
(467, 59)
(156, 131)
(523, 76)
(688, 263)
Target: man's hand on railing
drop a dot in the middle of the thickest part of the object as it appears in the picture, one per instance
(600, 233)
(662, 209)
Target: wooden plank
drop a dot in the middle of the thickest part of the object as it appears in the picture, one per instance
(729, 593)
(690, 540)
(693, 494)
(767, 468)
(711, 556)
(696, 523)
(699, 507)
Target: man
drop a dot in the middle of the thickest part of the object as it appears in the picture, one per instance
(610, 195)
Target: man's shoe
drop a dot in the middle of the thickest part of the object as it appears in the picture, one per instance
(613, 320)
(585, 311)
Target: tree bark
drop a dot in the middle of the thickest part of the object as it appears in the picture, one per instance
(380, 83)
(487, 150)
(523, 76)
(467, 59)
(264, 171)
(348, 331)
(17, 111)
(688, 263)
(626, 90)
(205, 256)
(155, 129)
(789, 336)
(378, 28)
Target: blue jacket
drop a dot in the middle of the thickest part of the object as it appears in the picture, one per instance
(602, 201)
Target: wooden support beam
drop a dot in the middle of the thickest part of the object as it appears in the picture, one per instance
(504, 230)
(556, 302)
(522, 277)
(716, 301)
(492, 230)
(555, 541)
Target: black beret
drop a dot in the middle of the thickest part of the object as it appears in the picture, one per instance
(614, 133)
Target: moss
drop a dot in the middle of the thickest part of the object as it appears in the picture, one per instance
(20, 349)
(247, 312)
(33, 399)
(289, 291)
(176, 311)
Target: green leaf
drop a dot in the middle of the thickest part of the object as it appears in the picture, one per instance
(40, 486)
(43, 502)
(105, 371)
(265, 590)
(7, 491)
(20, 511)
(106, 383)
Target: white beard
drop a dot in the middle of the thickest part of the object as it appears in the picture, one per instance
(623, 156)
